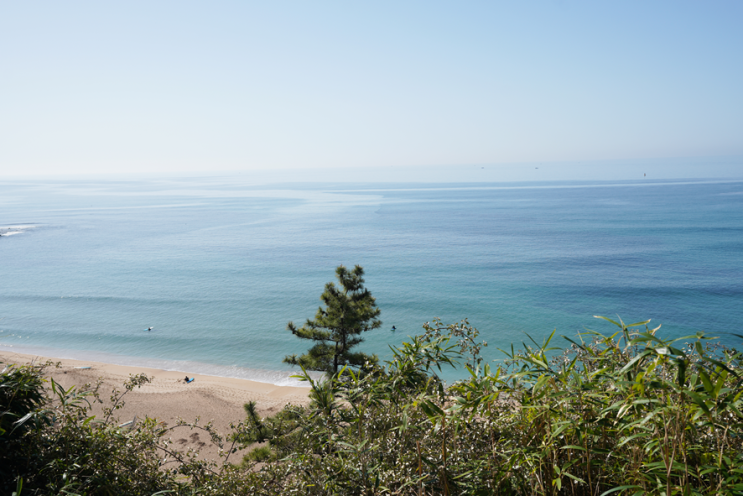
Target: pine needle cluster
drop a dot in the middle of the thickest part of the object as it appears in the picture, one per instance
(349, 310)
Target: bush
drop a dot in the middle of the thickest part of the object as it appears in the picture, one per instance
(627, 413)
(21, 396)
(624, 413)
(51, 445)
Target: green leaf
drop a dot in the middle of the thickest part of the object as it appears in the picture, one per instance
(608, 320)
(18, 487)
(706, 381)
(632, 362)
(637, 324)
(620, 488)
(573, 446)
(698, 400)
(577, 479)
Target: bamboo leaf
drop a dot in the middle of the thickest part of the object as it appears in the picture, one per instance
(620, 488)
(698, 400)
(706, 381)
(632, 362)
(573, 446)
(637, 324)
(608, 320)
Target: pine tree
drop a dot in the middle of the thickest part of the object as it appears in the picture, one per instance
(349, 310)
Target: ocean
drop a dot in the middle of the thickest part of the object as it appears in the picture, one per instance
(218, 266)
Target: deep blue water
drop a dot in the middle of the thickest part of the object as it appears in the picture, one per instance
(218, 267)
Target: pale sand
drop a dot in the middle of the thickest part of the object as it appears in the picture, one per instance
(167, 398)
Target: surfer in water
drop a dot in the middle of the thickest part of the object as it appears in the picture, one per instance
(393, 329)
(149, 329)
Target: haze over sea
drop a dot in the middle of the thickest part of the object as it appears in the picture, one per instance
(218, 266)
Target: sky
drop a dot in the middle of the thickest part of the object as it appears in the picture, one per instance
(183, 87)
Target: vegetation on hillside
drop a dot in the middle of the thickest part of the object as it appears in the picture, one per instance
(627, 413)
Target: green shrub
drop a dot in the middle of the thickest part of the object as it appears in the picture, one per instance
(53, 445)
(260, 454)
(21, 397)
(624, 413)
(628, 412)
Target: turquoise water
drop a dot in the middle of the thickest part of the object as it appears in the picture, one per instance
(218, 266)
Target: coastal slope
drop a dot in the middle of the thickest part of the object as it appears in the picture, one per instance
(213, 399)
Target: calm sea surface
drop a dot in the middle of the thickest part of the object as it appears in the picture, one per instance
(218, 267)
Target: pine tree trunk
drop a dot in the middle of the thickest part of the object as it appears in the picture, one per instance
(335, 359)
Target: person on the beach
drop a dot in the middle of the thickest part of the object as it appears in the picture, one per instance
(187, 379)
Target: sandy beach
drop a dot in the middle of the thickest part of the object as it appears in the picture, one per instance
(167, 398)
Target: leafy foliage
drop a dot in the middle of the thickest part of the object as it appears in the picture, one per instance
(62, 449)
(21, 396)
(349, 310)
(625, 413)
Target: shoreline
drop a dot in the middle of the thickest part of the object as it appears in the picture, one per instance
(168, 398)
(274, 377)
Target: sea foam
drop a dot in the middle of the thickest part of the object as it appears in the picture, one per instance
(276, 377)
(11, 230)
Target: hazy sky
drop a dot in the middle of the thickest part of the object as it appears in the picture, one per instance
(165, 86)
